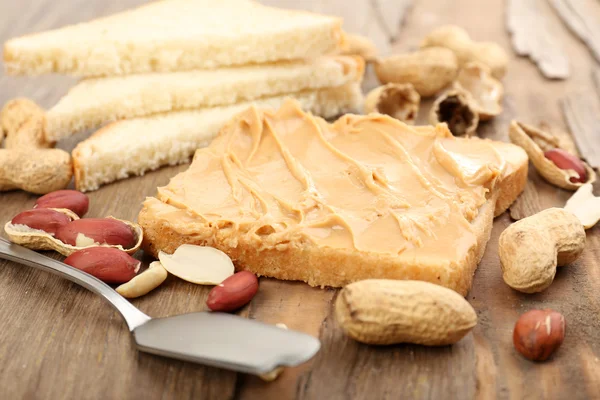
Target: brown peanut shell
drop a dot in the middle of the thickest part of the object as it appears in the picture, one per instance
(535, 142)
(486, 91)
(39, 240)
(455, 108)
(398, 100)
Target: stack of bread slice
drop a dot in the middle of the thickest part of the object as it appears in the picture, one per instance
(160, 80)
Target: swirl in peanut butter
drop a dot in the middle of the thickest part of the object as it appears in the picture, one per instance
(286, 178)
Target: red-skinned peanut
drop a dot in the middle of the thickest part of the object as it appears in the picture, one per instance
(233, 293)
(69, 199)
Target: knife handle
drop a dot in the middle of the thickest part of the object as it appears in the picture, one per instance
(21, 255)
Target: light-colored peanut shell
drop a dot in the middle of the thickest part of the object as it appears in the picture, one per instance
(428, 70)
(39, 240)
(486, 91)
(383, 311)
(466, 50)
(535, 142)
(532, 248)
(16, 112)
(38, 171)
(29, 135)
(358, 45)
(145, 282)
(585, 206)
(398, 100)
(455, 108)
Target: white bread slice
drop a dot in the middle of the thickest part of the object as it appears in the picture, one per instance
(94, 102)
(175, 35)
(169, 220)
(132, 147)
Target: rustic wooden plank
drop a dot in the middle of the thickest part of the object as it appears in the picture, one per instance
(581, 16)
(532, 37)
(581, 111)
(527, 204)
(59, 341)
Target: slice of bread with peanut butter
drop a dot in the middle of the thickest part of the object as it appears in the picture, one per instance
(135, 146)
(176, 35)
(290, 196)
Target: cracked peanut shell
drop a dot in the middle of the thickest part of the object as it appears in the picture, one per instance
(398, 100)
(486, 91)
(455, 108)
(39, 240)
(535, 142)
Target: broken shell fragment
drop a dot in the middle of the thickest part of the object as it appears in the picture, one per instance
(398, 100)
(536, 143)
(486, 91)
(455, 108)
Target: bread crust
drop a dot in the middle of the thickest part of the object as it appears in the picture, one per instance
(320, 266)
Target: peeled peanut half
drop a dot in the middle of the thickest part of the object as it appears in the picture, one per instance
(536, 142)
(145, 282)
(486, 91)
(585, 206)
(455, 108)
(36, 239)
(201, 265)
(398, 100)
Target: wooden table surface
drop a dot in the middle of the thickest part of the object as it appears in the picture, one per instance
(59, 341)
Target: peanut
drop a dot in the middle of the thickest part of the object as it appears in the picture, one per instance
(37, 171)
(360, 46)
(539, 333)
(560, 168)
(145, 282)
(428, 70)
(532, 248)
(22, 120)
(202, 265)
(108, 264)
(70, 199)
(233, 293)
(457, 39)
(456, 109)
(380, 311)
(567, 161)
(486, 91)
(43, 219)
(400, 101)
(87, 231)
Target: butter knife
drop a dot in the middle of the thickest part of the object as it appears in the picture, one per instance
(209, 338)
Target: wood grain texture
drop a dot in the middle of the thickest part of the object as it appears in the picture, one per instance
(59, 341)
(532, 37)
(582, 113)
(581, 16)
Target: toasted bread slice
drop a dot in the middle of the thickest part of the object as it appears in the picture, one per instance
(176, 35)
(94, 102)
(288, 196)
(132, 147)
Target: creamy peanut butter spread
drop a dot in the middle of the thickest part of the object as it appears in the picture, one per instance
(370, 183)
